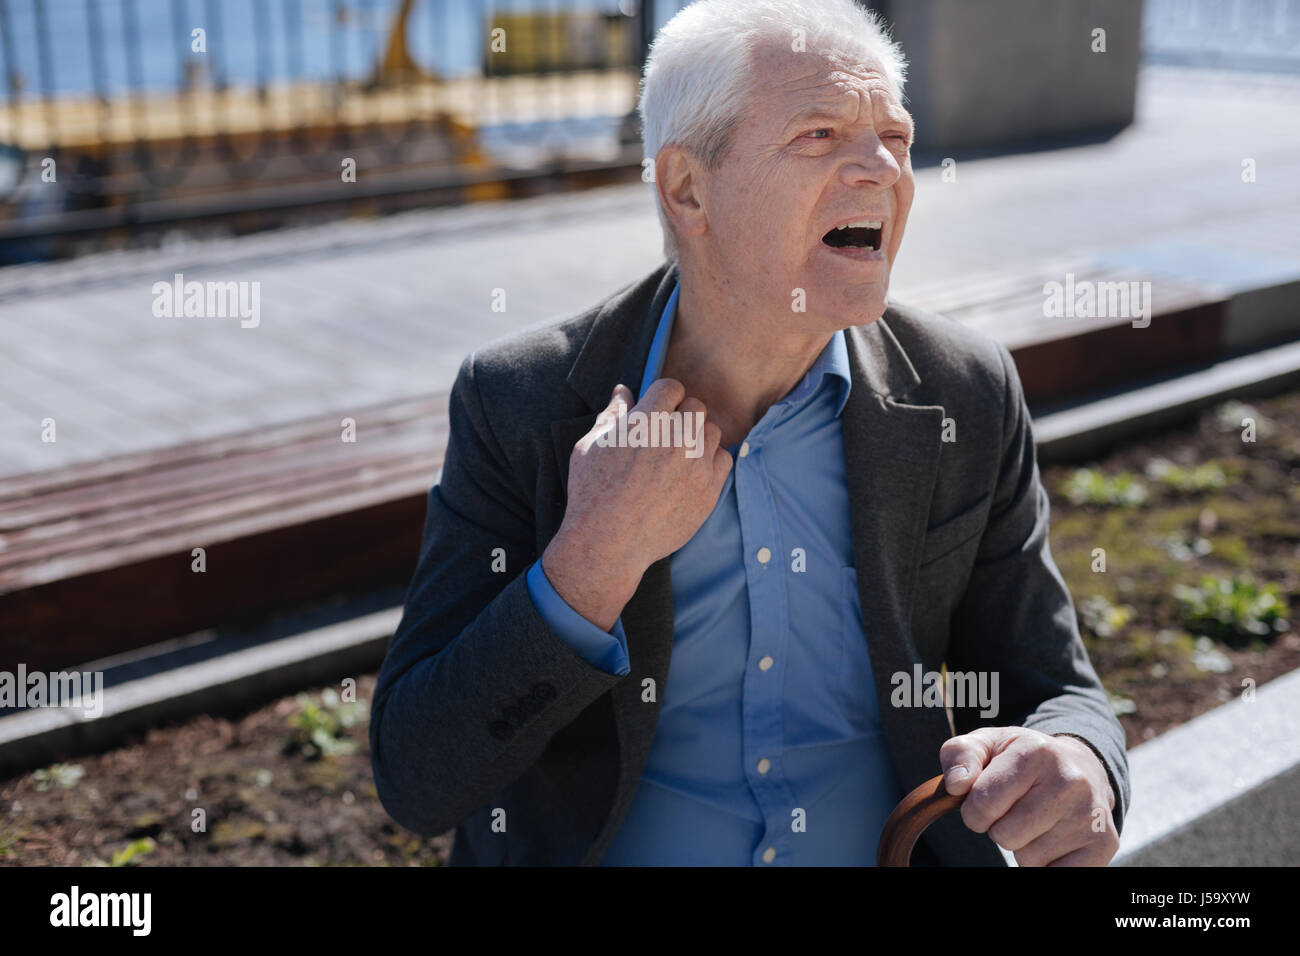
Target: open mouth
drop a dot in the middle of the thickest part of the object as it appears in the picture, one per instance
(864, 234)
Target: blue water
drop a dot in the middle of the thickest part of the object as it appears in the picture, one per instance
(447, 34)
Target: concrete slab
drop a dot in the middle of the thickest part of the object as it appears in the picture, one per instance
(216, 684)
(1222, 789)
(1077, 432)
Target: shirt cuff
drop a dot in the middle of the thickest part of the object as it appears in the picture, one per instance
(604, 649)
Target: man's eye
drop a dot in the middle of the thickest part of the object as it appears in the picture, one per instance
(814, 133)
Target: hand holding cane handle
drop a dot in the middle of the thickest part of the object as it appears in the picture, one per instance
(914, 813)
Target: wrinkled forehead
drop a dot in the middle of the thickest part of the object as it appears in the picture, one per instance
(785, 82)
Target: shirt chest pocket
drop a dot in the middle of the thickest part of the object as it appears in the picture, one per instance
(855, 682)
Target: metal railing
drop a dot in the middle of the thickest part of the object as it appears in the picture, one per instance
(140, 100)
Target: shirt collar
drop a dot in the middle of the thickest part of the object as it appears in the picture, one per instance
(833, 361)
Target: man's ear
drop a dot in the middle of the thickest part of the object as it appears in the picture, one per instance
(679, 179)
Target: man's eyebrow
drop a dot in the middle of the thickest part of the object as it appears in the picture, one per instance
(903, 118)
(822, 111)
(815, 111)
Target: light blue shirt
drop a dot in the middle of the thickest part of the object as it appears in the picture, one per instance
(768, 749)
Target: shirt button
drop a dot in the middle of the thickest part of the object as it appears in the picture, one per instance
(766, 664)
(769, 855)
(764, 555)
(764, 765)
(744, 449)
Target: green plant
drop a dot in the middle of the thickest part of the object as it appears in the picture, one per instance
(127, 856)
(320, 729)
(1209, 658)
(1233, 610)
(1103, 618)
(1183, 547)
(64, 775)
(1204, 477)
(1232, 416)
(1087, 486)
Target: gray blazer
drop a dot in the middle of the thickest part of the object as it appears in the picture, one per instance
(483, 713)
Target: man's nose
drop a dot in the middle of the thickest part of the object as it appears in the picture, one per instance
(870, 163)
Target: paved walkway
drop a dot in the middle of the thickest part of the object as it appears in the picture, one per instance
(360, 312)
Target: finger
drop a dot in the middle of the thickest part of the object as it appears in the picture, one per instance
(624, 395)
(664, 394)
(692, 406)
(1059, 841)
(1094, 854)
(1003, 781)
(1033, 815)
(1090, 848)
(712, 436)
(722, 463)
(1093, 846)
(619, 402)
(696, 421)
(963, 757)
(610, 410)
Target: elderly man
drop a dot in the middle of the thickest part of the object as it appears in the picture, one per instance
(619, 652)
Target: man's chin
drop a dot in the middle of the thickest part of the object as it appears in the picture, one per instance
(872, 309)
(863, 305)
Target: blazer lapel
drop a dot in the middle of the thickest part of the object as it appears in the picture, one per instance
(891, 454)
(614, 352)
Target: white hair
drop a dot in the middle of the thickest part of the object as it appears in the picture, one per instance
(696, 79)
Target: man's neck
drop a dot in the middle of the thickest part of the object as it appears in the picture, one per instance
(738, 359)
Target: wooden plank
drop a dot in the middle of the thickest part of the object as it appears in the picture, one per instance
(265, 518)
(1053, 369)
(286, 515)
(992, 296)
(1061, 357)
(114, 528)
(206, 450)
(98, 557)
(74, 620)
(232, 475)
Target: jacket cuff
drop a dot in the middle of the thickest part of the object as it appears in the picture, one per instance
(1120, 801)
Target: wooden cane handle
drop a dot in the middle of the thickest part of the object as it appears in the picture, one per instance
(914, 813)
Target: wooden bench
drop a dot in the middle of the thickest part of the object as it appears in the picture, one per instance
(97, 559)
(1062, 357)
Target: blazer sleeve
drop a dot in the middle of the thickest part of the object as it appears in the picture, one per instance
(1016, 617)
(475, 682)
